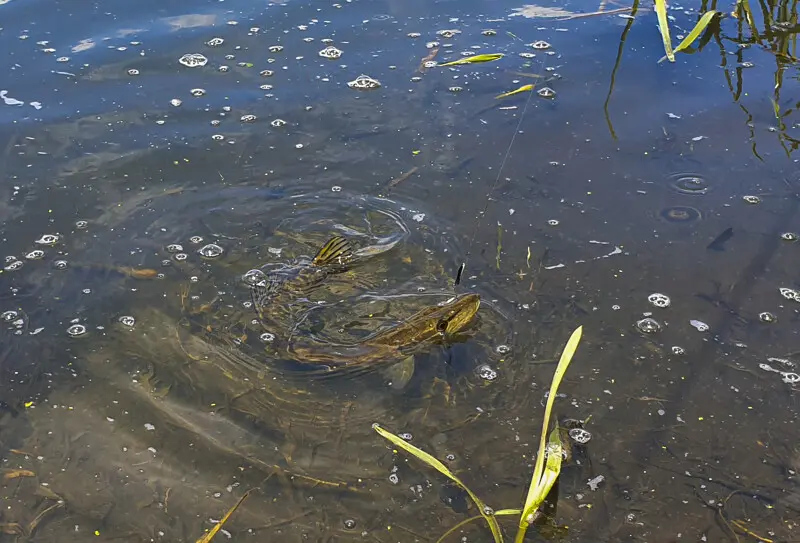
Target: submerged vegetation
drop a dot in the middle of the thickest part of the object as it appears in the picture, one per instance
(545, 473)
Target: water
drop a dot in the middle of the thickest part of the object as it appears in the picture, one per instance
(636, 178)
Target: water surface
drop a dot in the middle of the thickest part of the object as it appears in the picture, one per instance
(636, 178)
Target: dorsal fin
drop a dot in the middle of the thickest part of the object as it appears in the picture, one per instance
(337, 252)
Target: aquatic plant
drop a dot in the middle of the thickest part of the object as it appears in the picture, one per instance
(663, 26)
(545, 472)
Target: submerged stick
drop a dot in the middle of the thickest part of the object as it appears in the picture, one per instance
(397, 180)
(596, 13)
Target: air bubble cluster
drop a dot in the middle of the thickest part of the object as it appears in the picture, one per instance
(48, 239)
(790, 294)
(193, 60)
(127, 320)
(766, 316)
(254, 277)
(331, 53)
(659, 300)
(546, 92)
(579, 435)
(212, 250)
(648, 325)
(364, 82)
(700, 326)
(486, 372)
(76, 330)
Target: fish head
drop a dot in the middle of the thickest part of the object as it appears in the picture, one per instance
(457, 313)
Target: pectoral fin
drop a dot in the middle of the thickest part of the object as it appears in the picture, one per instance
(337, 252)
(400, 374)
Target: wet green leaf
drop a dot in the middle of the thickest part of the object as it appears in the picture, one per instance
(523, 88)
(698, 29)
(663, 27)
(545, 476)
(488, 57)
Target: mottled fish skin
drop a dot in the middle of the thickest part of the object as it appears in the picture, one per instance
(387, 346)
(334, 257)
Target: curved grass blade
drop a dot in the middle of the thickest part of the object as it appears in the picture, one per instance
(500, 513)
(457, 526)
(663, 27)
(441, 468)
(488, 57)
(542, 477)
(698, 29)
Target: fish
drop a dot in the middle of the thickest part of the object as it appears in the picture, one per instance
(432, 324)
(277, 289)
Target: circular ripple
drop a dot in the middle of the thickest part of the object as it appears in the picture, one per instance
(687, 183)
(680, 214)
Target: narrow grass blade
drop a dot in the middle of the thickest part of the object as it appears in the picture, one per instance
(663, 27)
(698, 29)
(210, 535)
(441, 468)
(489, 57)
(552, 469)
(507, 512)
(500, 513)
(523, 88)
(457, 526)
(538, 472)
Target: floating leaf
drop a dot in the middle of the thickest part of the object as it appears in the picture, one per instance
(663, 27)
(441, 468)
(488, 57)
(523, 88)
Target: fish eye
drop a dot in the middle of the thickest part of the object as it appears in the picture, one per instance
(441, 326)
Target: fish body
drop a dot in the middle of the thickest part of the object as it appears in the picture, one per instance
(429, 325)
(274, 292)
